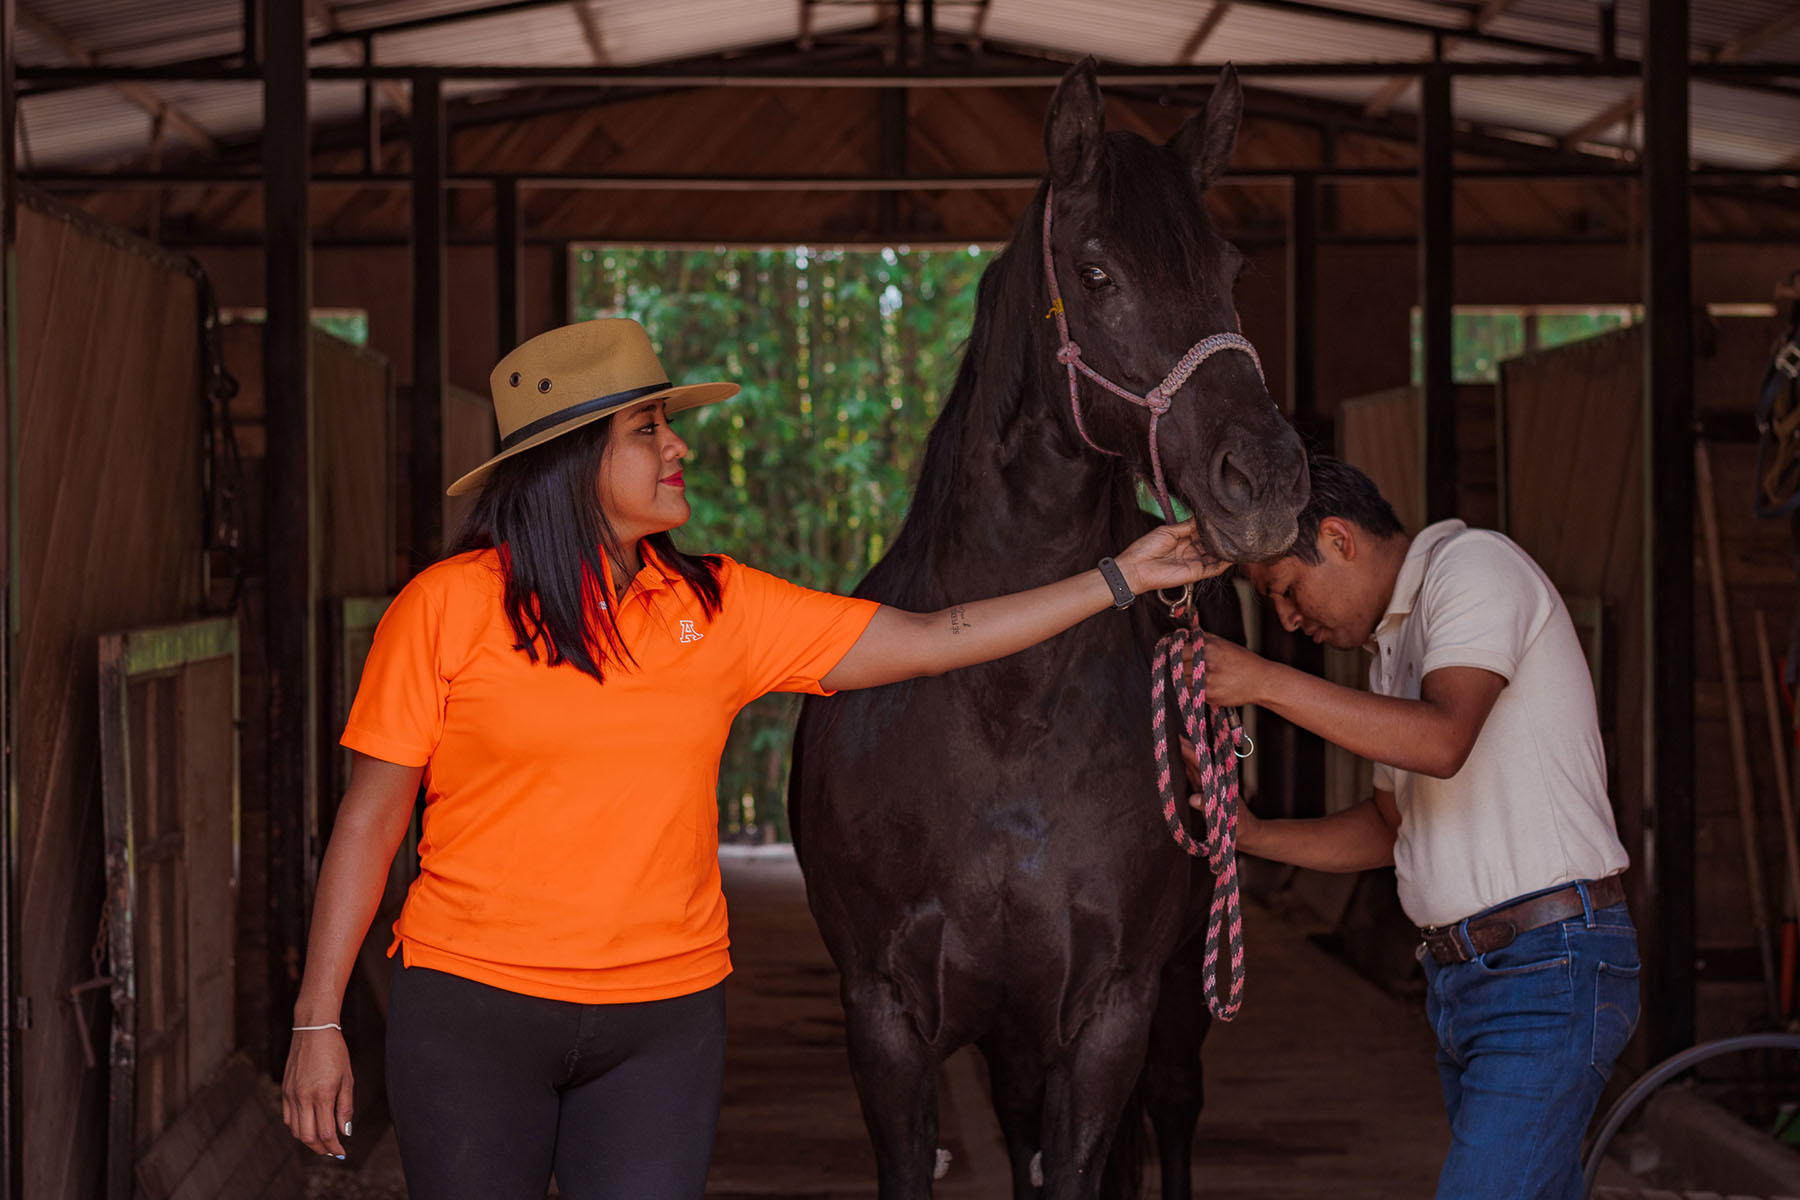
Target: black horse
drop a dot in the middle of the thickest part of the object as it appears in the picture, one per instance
(984, 851)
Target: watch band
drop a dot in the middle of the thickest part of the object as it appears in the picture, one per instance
(1115, 579)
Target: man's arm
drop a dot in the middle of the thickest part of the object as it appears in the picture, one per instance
(1431, 735)
(1355, 839)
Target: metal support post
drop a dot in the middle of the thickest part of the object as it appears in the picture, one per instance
(430, 316)
(1668, 532)
(1437, 303)
(289, 505)
(509, 247)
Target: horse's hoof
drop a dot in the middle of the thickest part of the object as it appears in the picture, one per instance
(943, 1164)
(1037, 1169)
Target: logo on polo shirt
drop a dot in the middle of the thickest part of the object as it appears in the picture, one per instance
(689, 633)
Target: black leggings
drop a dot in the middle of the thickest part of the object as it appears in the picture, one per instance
(492, 1090)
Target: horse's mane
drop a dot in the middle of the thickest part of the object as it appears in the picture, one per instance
(1008, 288)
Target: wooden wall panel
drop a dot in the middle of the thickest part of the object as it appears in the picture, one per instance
(109, 521)
(1574, 499)
(1381, 435)
(469, 440)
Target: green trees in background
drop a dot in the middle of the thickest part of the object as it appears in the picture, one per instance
(843, 357)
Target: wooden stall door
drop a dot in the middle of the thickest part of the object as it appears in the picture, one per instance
(169, 765)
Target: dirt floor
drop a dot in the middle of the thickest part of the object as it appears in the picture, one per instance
(1324, 1085)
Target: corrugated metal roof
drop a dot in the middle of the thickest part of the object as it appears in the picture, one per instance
(1733, 126)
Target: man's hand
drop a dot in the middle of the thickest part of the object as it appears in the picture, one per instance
(1234, 676)
(1249, 825)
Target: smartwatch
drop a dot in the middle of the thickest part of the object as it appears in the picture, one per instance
(1115, 579)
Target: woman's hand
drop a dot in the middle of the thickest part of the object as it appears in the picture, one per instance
(1234, 676)
(318, 1091)
(1166, 557)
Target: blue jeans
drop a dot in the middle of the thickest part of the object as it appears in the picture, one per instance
(1527, 1035)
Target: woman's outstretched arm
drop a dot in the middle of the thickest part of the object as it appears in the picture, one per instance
(903, 645)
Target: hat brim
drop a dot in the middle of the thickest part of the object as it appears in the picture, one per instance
(677, 399)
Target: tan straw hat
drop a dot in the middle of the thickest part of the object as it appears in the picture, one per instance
(563, 379)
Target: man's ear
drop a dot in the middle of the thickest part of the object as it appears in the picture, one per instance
(1340, 535)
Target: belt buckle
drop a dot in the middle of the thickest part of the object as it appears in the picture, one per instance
(1445, 935)
(1787, 360)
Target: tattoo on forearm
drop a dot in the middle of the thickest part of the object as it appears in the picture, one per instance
(959, 621)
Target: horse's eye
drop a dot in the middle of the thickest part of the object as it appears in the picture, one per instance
(1093, 278)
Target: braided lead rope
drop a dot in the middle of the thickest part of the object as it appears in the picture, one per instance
(1217, 736)
(1158, 399)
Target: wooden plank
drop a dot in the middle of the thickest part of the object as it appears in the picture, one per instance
(162, 1168)
(108, 488)
(208, 708)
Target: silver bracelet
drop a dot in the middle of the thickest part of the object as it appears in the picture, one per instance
(309, 1028)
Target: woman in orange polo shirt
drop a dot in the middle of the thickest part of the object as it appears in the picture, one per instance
(562, 686)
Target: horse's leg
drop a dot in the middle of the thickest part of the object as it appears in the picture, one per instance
(895, 1071)
(1086, 1093)
(1173, 1088)
(1016, 1079)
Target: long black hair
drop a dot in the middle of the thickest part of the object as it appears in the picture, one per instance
(541, 511)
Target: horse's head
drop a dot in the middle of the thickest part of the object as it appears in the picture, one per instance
(1144, 277)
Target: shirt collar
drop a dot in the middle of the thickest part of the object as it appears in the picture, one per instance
(654, 576)
(1412, 574)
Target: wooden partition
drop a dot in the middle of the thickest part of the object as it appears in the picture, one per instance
(109, 534)
(353, 402)
(1572, 449)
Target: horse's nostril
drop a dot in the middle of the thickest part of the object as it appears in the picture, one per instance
(1233, 488)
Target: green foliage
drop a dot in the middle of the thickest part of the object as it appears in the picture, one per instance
(1483, 338)
(844, 358)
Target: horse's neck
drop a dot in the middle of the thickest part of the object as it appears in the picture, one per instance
(1032, 508)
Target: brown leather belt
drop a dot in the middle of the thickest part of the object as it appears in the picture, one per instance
(1491, 931)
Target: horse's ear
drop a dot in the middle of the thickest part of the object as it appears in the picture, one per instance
(1205, 139)
(1076, 127)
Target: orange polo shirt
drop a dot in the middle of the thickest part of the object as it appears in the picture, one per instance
(570, 843)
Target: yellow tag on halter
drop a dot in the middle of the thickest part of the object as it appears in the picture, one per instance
(1055, 307)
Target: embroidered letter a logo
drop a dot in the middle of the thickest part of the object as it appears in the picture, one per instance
(689, 633)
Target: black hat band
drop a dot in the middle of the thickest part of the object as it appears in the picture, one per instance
(531, 430)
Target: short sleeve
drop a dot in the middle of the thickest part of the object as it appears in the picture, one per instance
(795, 636)
(1384, 777)
(1482, 604)
(398, 714)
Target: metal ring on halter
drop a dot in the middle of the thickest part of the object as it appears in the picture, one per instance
(1182, 598)
(1247, 749)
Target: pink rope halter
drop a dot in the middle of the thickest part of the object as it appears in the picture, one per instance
(1180, 661)
(1159, 398)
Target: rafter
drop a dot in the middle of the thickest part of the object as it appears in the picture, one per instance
(590, 31)
(1605, 119)
(1208, 24)
(1392, 90)
(1488, 13)
(1732, 51)
(160, 110)
(396, 94)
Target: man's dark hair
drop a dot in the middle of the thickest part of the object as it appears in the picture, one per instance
(1340, 490)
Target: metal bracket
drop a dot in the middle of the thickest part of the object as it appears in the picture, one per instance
(1787, 360)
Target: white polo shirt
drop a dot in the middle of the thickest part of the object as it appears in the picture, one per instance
(1529, 808)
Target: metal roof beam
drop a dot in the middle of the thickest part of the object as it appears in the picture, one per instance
(1392, 90)
(1732, 51)
(1489, 13)
(590, 32)
(1203, 31)
(161, 111)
